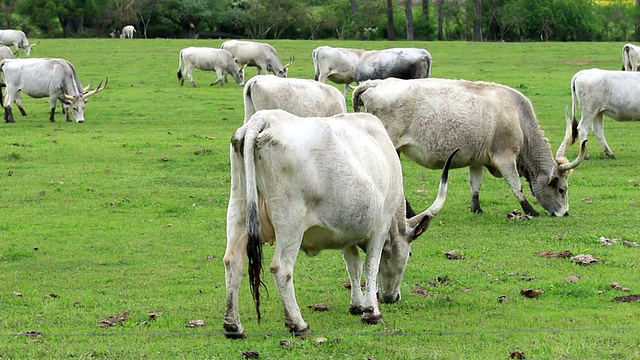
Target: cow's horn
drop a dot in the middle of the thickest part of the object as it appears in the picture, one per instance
(291, 60)
(98, 89)
(438, 203)
(86, 88)
(577, 161)
(66, 96)
(32, 45)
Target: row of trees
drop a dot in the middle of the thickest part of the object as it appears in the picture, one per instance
(478, 20)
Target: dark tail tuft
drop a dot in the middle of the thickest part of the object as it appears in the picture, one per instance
(179, 74)
(574, 130)
(254, 254)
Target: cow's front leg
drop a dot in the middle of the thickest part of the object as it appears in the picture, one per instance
(354, 268)
(8, 115)
(371, 313)
(234, 260)
(284, 259)
(475, 179)
(510, 173)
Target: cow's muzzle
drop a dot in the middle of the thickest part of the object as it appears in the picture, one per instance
(389, 299)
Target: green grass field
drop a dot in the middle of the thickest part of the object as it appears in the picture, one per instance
(126, 213)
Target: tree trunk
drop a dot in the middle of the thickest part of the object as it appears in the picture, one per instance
(441, 19)
(637, 32)
(409, 19)
(71, 25)
(391, 31)
(354, 7)
(425, 9)
(477, 20)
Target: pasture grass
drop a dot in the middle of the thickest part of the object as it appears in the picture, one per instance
(126, 212)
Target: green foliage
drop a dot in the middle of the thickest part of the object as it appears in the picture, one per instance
(128, 212)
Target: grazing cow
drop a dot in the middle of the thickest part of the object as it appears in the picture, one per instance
(401, 63)
(5, 52)
(213, 59)
(38, 78)
(601, 92)
(127, 32)
(312, 184)
(630, 57)
(261, 55)
(16, 38)
(493, 125)
(300, 97)
(336, 64)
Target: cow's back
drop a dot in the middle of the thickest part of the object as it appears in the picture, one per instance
(429, 118)
(612, 92)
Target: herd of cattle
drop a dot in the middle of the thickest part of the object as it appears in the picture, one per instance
(306, 172)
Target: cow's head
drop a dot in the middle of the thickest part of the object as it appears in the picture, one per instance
(78, 102)
(551, 187)
(284, 72)
(239, 75)
(397, 248)
(27, 48)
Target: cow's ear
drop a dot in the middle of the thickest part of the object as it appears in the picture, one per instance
(553, 180)
(66, 101)
(422, 226)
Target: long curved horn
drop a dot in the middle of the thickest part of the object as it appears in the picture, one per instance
(577, 161)
(32, 45)
(438, 203)
(86, 88)
(66, 96)
(98, 89)
(291, 60)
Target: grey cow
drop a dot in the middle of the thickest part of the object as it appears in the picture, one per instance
(48, 77)
(17, 38)
(401, 63)
(261, 55)
(493, 125)
(209, 59)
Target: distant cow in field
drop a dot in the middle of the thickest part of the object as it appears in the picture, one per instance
(301, 97)
(127, 32)
(630, 57)
(16, 38)
(601, 92)
(209, 59)
(401, 63)
(312, 184)
(336, 64)
(493, 125)
(38, 78)
(261, 55)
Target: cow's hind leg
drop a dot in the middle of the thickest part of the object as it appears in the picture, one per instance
(598, 131)
(284, 259)
(234, 260)
(354, 268)
(475, 179)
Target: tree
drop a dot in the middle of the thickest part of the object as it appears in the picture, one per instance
(70, 14)
(425, 8)
(637, 32)
(477, 20)
(409, 19)
(440, 19)
(391, 31)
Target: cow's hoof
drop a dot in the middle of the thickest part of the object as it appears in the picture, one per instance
(356, 310)
(232, 331)
(10, 121)
(298, 331)
(369, 318)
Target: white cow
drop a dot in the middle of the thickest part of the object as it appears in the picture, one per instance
(401, 63)
(127, 32)
(16, 38)
(630, 57)
(301, 97)
(209, 59)
(336, 64)
(263, 56)
(601, 92)
(5, 52)
(312, 184)
(493, 125)
(38, 78)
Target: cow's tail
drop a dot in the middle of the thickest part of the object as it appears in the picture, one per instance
(249, 109)
(574, 120)
(254, 243)
(180, 66)
(316, 70)
(625, 57)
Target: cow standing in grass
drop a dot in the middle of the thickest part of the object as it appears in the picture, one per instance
(493, 125)
(336, 64)
(38, 78)
(312, 184)
(599, 92)
(127, 32)
(209, 59)
(263, 56)
(16, 38)
(630, 57)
